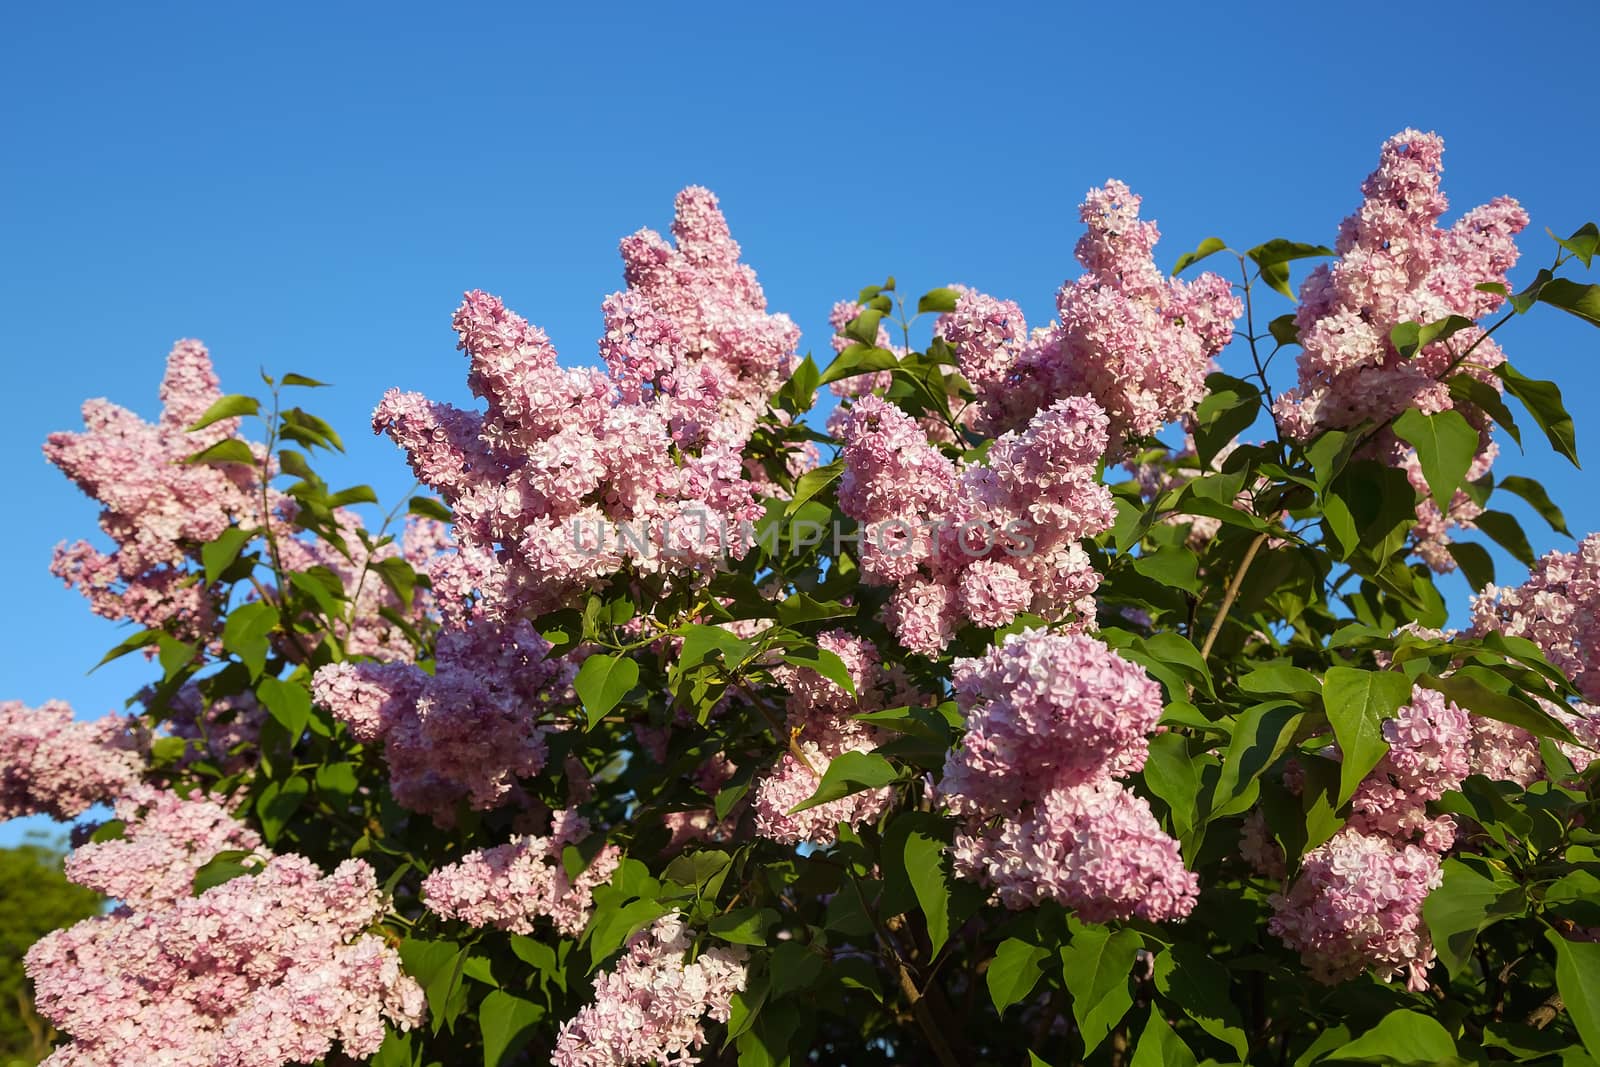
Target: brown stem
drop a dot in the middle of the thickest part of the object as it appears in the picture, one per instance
(1545, 1014)
(1232, 594)
(920, 1009)
(778, 731)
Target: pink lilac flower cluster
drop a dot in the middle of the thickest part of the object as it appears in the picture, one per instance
(1557, 608)
(270, 968)
(510, 886)
(650, 1007)
(1357, 900)
(1397, 265)
(165, 839)
(464, 734)
(1138, 342)
(820, 719)
(158, 511)
(1053, 721)
(155, 507)
(568, 475)
(51, 764)
(984, 542)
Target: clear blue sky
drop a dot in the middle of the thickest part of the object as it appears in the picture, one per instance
(311, 187)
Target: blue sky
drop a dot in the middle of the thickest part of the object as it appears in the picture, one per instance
(311, 188)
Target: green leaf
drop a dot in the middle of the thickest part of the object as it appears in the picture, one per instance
(610, 927)
(1446, 444)
(323, 592)
(864, 327)
(1358, 701)
(1543, 401)
(1578, 979)
(287, 702)
(849, 772)
(858, 359)
(1471, 898)
(1262, 734)
(602, 682)
(701, 641)
(1095, 968)
(1205, 248)
(225, 867)
(218, 555)
(826, 663)
(227, 407)
(399, 576)
(1230, 407)
(1272, 258)
(1507, 532)
(1403, 1037)
(942, 299)
(1280, 678)
(1284, 330)
(1200, 987)
(1014, 971)
(813, 482)
(1534, 493)
(228, 450)
(278, 803)
(302, 380)
(425, 507)
(1583, 243)
(1172, 653)
(245, 634)
(438, 967)
(744, 926)
(1477, 566)
(1409, 338)
(1573, 297)
(356, 494)
(1466, 389)
(1172, 774)
(930, 881)
(1159, 1046)
(1483, 692)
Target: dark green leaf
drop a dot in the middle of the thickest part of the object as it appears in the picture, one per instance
(744, 926)
(1507, 533)
(1472, 898)
(1574, 297)
(941, 300)
(1446, 444)
(1402, 1038)
(930, 881)
(218, 555)
(287, 702)
(847, 773)
(1014, 971)
(228, 450)
(1095, 968)
(1207, 247)
(1543, 401)
(1358, 701)
(227, 407)
(1534, 493)
(813, 482)
(1159, 1046)
(602, 682)
(1583, 242)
